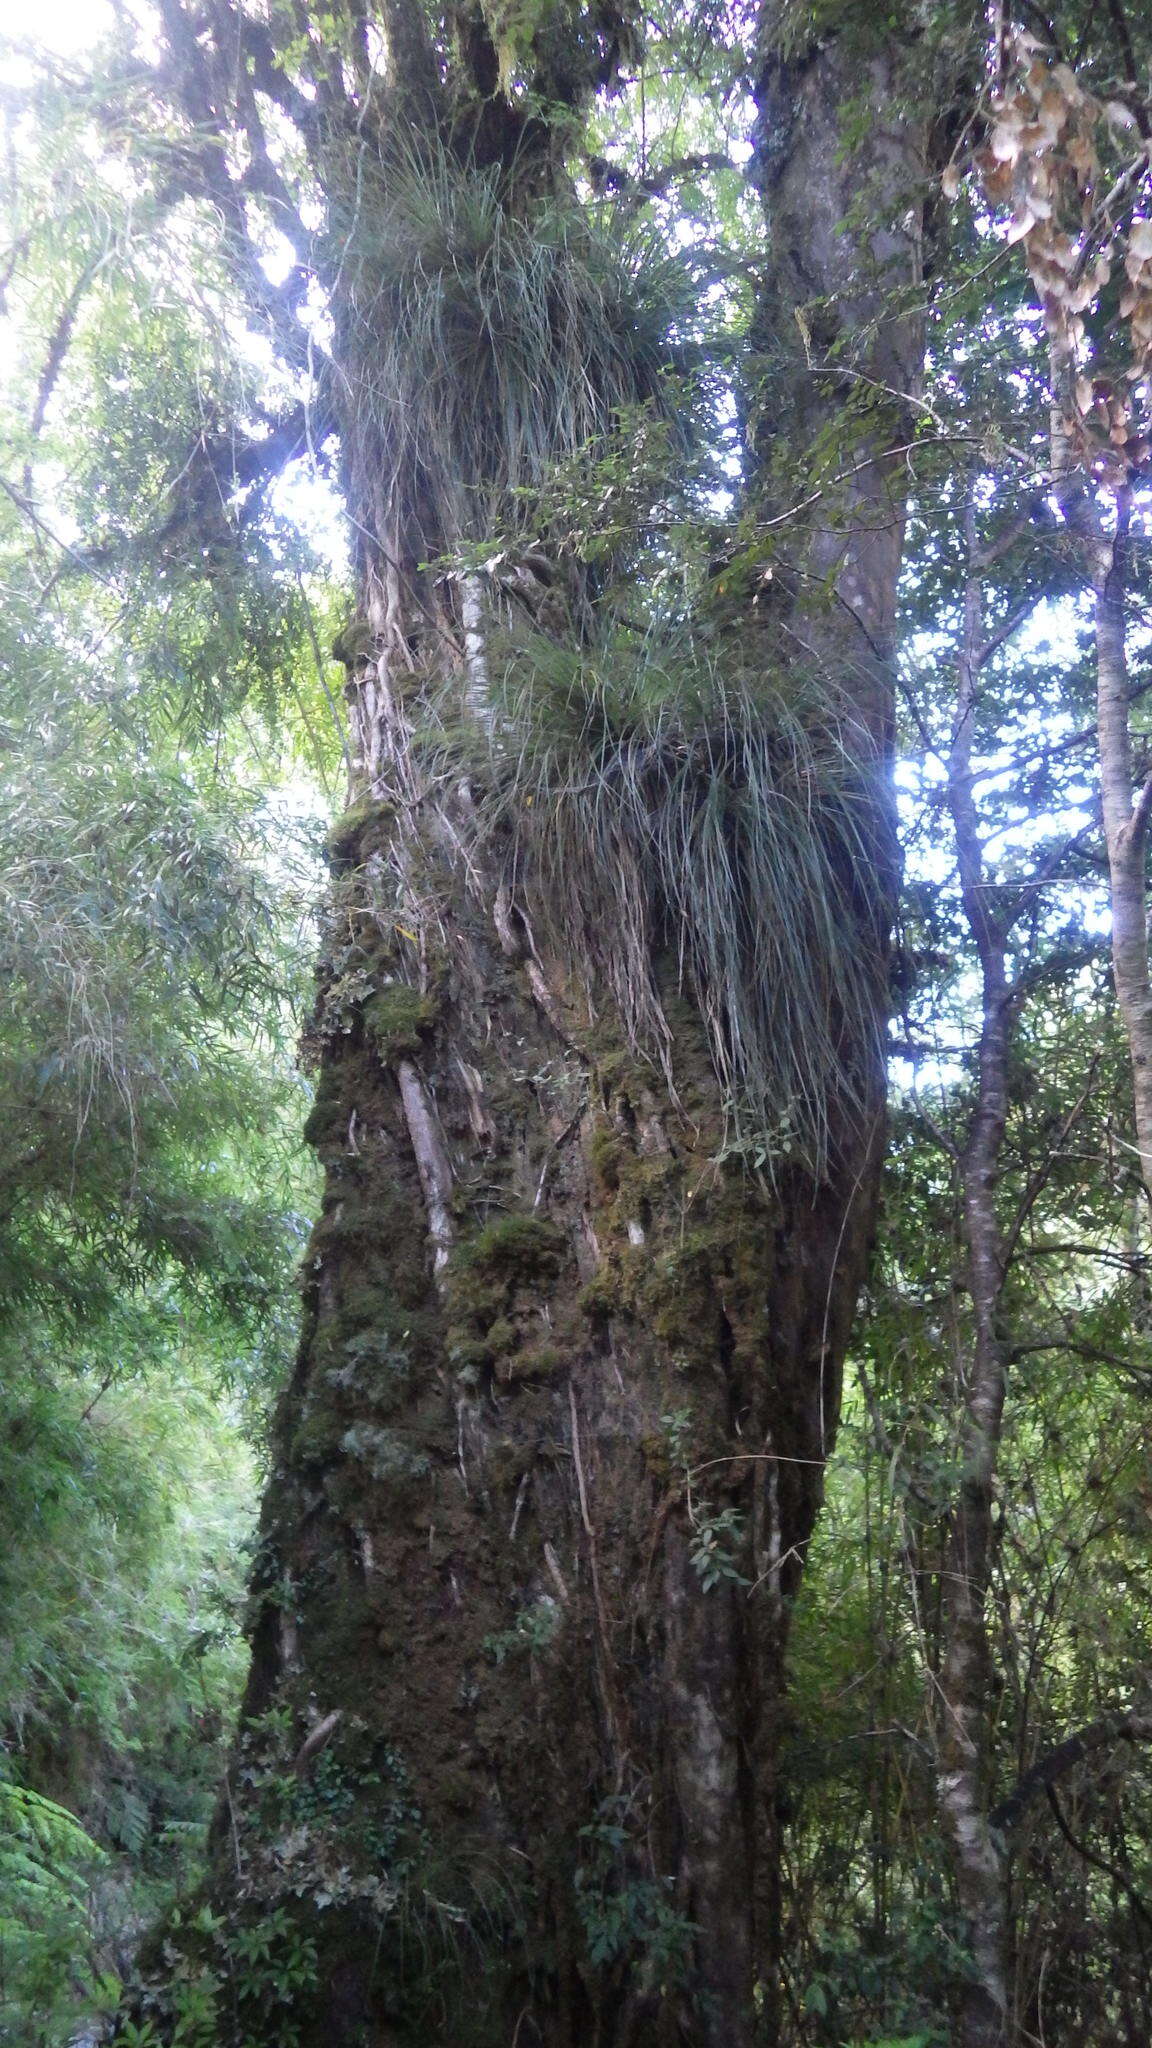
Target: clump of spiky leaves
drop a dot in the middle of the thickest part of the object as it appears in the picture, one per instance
(494, 329)
(670, 823)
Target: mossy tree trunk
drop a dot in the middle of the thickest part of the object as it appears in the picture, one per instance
(568, 1372)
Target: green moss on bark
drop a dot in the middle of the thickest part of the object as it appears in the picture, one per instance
(327, 1120)
(494, 1283)
(356, 833)
(397, 1020)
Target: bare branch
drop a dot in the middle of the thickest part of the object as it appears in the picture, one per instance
(83, 560)
(1015, 618)
(54, 359)
(1141, 812)
(1057, 1762)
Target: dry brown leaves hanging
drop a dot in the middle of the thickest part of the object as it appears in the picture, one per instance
(1075, 171)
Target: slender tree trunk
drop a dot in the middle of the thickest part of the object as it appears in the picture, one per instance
(964, 1681)
(567, 1379)
(1126, 807)
(1126, 815)
(1102, 539)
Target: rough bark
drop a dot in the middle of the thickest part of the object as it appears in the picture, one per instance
(557, 1351)
(480, 1519)
(840, 333)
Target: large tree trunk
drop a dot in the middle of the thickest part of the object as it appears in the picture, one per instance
(569, 1373)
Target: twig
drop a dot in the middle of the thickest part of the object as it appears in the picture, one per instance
(597, 1591)
(98, 1395)
(317, 1739)
(25, 506)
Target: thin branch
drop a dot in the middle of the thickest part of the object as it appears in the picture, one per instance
(25, 506)
(54, 359)
(1038, 1180)
(610, 1701)
(98, 1396)
(987, 557)
(1111, 1870)
(617, 179)
(1141, 813)
(1015, 618)
(218, 468)
(1056, 1762)
(270, 78)
(855, 469)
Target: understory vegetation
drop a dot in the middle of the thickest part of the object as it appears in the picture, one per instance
(534, 639)
(153, 903)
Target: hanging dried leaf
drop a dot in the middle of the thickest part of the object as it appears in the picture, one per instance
(1043, 157)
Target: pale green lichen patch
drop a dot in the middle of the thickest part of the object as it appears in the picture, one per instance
(383, 1452)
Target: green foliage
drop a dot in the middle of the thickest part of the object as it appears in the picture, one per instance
(121, 1522)
(636, 512)
(133, 937)
(345, 1829)
(151, 1193)
(717, 1535)
(717, 1538)
(146, 895)
(872, 1910)
(233, 1982)
(146, 898)
(148, 1226)
(536, 1626)
(144, 555)
(625, 1910)
(48, 1973)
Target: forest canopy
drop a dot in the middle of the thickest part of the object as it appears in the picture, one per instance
(576, 1055)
